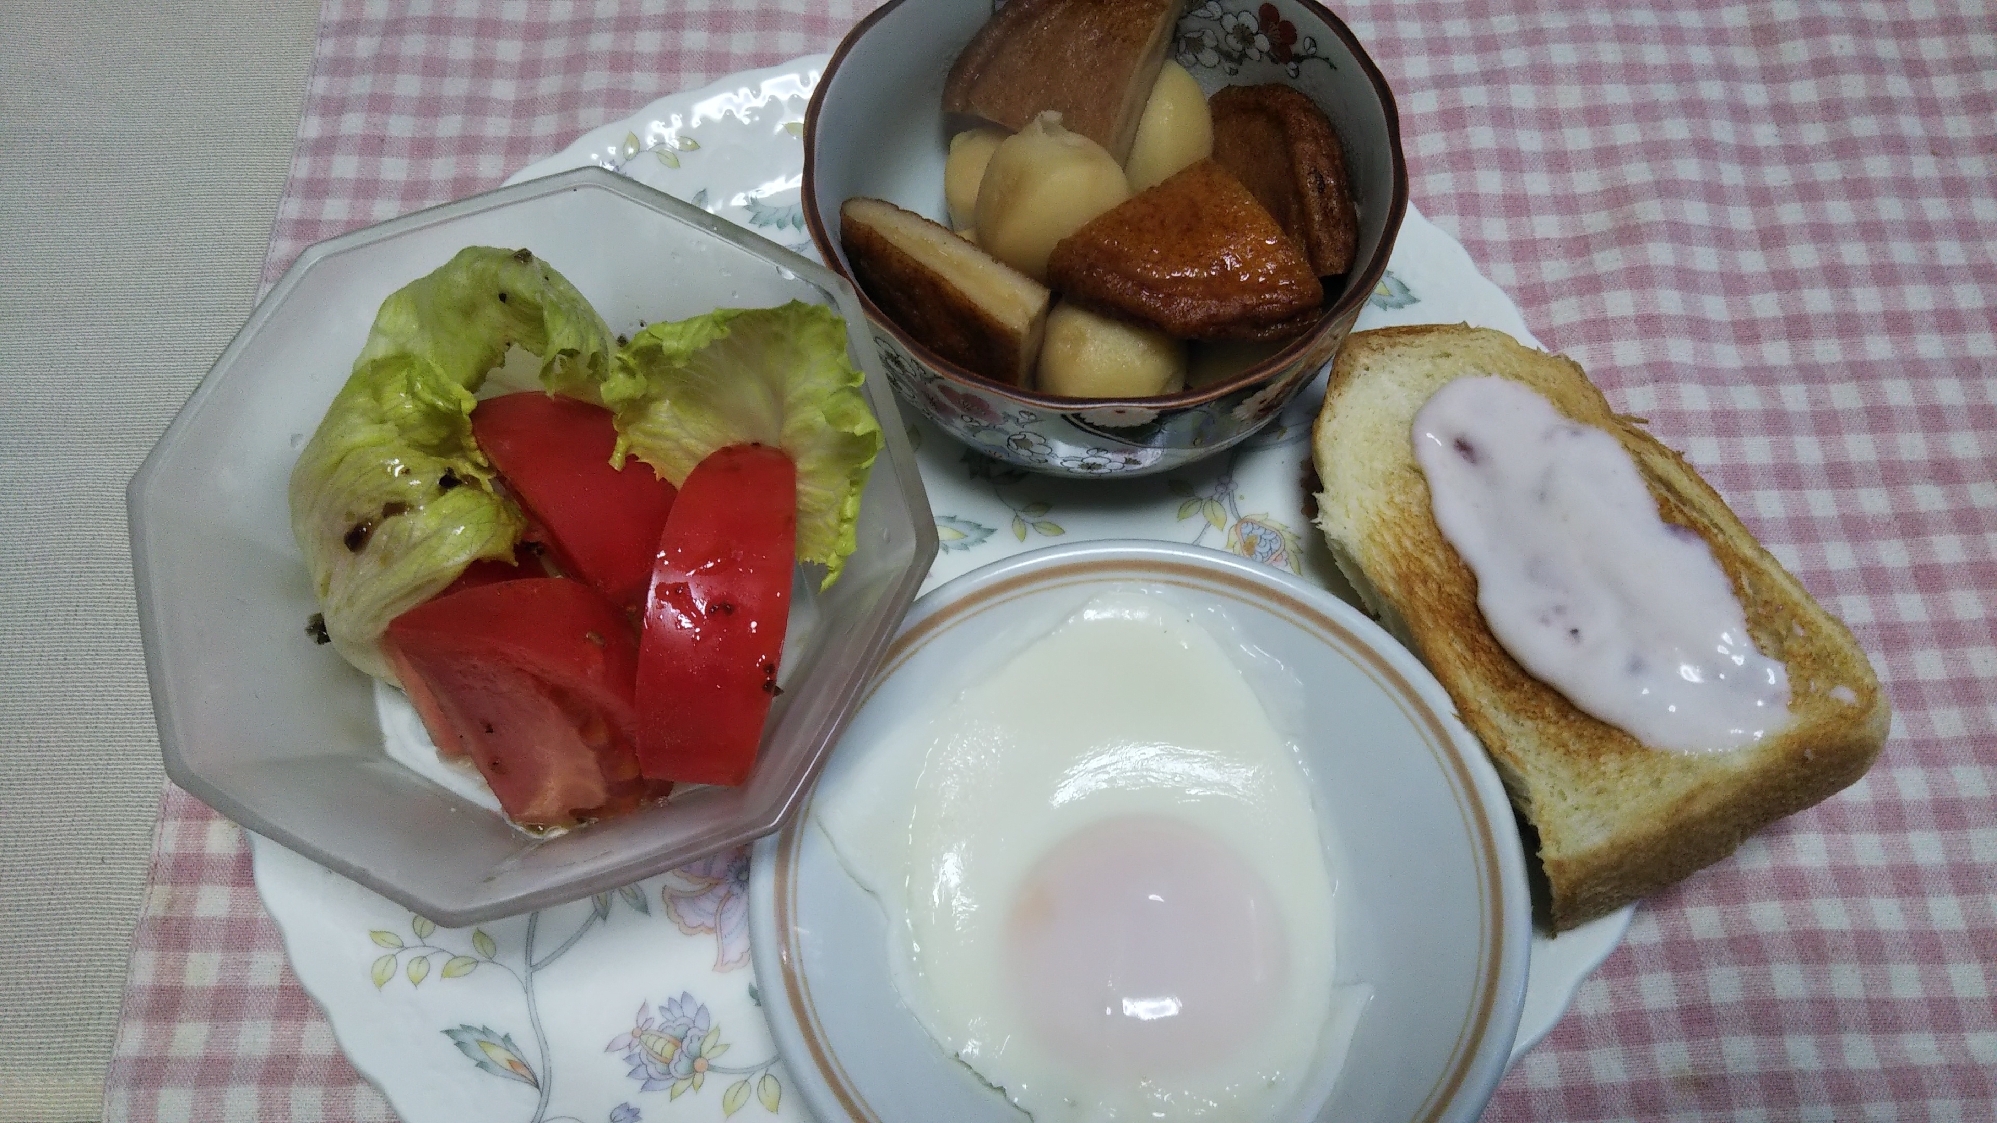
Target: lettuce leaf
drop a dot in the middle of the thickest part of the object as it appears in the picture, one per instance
(391, 498)
(773, 376)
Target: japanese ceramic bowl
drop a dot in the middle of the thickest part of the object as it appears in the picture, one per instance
(1432, 928)
(876, 127)
(287, 739)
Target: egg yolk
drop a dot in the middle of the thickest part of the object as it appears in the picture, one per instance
(1142, 945)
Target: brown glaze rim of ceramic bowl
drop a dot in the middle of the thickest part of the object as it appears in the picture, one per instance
(1356, 293)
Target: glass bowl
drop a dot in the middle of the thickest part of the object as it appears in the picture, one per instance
(284, 737)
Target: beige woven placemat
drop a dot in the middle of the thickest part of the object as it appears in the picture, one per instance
(143, 148)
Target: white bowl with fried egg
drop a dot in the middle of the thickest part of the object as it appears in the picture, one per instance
(1136, 830)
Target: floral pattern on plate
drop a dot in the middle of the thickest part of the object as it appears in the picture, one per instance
(734, 149)
(673, 1050)
(712, 896)
(531, 1019)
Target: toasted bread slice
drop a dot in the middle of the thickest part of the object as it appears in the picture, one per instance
(1283, 148)
(1195, 255)
(1092, 61)
(1616, 820)
(954, 298)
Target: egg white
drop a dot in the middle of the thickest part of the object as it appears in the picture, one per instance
(1127, 711)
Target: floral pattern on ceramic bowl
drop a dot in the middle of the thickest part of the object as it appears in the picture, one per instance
(1124, 438)
(875, 127)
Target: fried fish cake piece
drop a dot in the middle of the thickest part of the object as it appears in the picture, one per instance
(1195, 255)
(1092, 61)
(953, 297)
(1280, 144)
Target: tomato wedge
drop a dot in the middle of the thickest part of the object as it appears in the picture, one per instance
(601, 523)
(487, 572)
(533, 679)
(715, 618)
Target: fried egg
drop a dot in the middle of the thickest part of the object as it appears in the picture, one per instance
(1106, 886)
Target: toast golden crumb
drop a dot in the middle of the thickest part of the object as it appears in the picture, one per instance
(1615, 820)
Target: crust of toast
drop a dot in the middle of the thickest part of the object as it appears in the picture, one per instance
(1616, 821)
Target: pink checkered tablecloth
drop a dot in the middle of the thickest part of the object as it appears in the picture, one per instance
(1768, 227)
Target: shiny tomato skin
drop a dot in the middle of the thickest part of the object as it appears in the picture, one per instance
(715, 617)
(601, 523)
(488, 572)
(532, 678)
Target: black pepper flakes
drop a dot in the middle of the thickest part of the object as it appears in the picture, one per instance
(356, 538)
(316, 628)
(502, 298)
(524, 257)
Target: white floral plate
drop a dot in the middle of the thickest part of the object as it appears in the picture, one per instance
(642, 1005)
